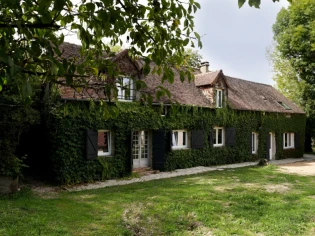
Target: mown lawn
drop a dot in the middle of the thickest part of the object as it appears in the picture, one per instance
(245, 201)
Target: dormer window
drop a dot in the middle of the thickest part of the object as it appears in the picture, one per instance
(285, 106)
(125, 89)
(219, 98)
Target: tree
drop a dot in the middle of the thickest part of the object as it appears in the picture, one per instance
(285, 76)
(31, 32)
(193, 57)
(254, 3)
(294, 32)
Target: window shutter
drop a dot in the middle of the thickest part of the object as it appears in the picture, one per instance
(128, 143)
(197, 139)
(158, 149)
(91, 144)
(211, 137)
(223, 98)
(168, 140)
(296, 140)
(268, 146)
(251, 143)
(230, 136)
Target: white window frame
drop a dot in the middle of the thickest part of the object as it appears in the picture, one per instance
(219, 98)
(216, 135)
(122, 85)
(165, 110)
(110, 142)
(288, 140)
(175, 145)
(254, 143)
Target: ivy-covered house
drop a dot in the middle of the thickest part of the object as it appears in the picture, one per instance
(215, 119)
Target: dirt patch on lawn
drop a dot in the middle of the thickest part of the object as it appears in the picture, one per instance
(300, 168)
(278, 188)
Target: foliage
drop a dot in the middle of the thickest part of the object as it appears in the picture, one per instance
(254, 3)
(244, 201)
(285, 76)
(16, 116)
(32, 31)
(294, 33)
(67, 124)
(193, 58)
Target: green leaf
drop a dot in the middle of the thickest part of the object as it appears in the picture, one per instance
(241, 3)
(197, 35)
(26, 89)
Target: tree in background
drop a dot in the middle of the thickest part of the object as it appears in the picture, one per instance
(193, 57)
(294, 32)
(293, 58)
(254, 3)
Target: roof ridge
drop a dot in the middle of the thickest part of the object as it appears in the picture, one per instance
(209, 72)
(248, 81)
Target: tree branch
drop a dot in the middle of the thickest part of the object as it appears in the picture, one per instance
(33, 26)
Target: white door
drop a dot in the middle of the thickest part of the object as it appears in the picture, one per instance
(272, 150)
(140, 149)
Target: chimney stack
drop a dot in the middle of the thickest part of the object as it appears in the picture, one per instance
(204, 67)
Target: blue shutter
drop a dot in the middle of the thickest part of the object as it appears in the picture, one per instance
(158, 149)
(91, 144)
(296, 140)
(197, 139)
(211, 138)
(230, 136)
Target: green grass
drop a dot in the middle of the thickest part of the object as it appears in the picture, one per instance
(245, 201)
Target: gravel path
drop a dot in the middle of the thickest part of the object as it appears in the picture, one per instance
(163, 175)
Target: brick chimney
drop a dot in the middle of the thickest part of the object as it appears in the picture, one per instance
(204, 67)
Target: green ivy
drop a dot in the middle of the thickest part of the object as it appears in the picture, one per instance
(67, 124)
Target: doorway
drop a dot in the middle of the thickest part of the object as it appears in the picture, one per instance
(272, 146)
(140, 149)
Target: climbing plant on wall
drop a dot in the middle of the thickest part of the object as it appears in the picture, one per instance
(68, 123)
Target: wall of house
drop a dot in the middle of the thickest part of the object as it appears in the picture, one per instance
(68, 123)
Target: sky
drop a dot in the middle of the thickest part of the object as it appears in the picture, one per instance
(235, 40)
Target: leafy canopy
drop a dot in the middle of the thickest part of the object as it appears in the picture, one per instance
(254, 3)
(31, 32)
(294, 32)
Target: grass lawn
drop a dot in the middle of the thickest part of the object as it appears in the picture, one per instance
(245, 201)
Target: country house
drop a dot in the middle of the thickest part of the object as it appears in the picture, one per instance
(215, 119)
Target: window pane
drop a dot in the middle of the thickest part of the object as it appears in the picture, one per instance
(184, 139)
(103, 142)
(215, 133)
(220, 136)
(253, 142)
(175, 138)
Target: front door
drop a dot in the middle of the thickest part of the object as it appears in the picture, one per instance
(140, 149)
(272, 149)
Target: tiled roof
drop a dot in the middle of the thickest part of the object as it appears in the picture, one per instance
(182, 92)
(242, 94)
(69, 50)
(247, 95)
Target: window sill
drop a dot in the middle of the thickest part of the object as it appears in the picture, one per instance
(286, 148)
(121, 100)
(218, 145)
(105, 155)
(179, 148)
